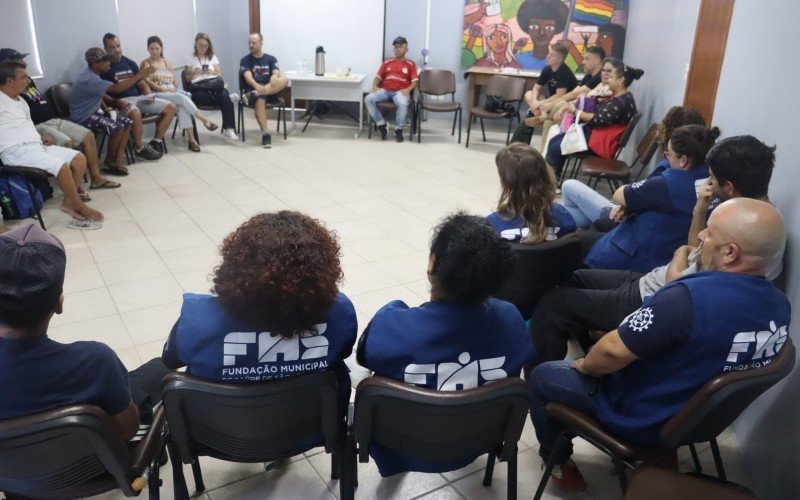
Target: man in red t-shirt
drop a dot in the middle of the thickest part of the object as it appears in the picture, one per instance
(395, 81)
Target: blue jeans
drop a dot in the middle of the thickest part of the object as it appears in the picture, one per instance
(583, 203)
(556, 381)
(400, 100)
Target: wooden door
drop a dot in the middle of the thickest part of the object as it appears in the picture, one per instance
(708, 52)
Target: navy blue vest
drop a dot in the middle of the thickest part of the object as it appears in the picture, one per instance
(515, 229)
(215, 347)
(446, 346)
(648, 239)
(739, 322)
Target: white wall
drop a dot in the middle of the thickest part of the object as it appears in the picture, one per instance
(752, 99)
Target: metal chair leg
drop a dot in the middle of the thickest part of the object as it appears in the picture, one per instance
(35, 201)
(696, 459)
(460, 115)
(179, 489)
(563, 440)
(621, 476)
(483, 131)
(285, 131)
(198, 475)
(489, 471)
(508, 134)
(512, 476)
(469, 127)
(455, 117)
(418, 114)
(718, 460)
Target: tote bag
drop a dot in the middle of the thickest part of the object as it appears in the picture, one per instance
(574, 141)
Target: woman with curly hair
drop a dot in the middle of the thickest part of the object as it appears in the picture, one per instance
(462, 338)
(275, 310)
(677, 116)
(526, 212)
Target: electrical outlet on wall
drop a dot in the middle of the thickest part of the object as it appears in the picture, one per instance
(686, 72)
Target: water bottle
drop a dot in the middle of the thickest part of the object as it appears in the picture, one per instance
(319, 61)
(8, 207)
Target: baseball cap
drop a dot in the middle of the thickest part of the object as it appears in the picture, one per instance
(11, 55)
(32, 265)
(400, 40)
(96, 54)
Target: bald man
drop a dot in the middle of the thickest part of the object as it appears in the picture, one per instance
(726, 318)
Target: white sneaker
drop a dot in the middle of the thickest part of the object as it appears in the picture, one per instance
(230, 134)
(234, 98)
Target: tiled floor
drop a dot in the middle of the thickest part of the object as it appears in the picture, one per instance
(124, 281)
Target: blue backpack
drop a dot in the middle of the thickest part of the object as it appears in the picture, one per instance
(16, 188)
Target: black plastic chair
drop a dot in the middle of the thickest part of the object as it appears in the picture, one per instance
(438, 82)
(437, 425)
(617, 171)
(511, 89)
(74, 452)
(573, 162)
(708, 412)
(249, 423)
(279, 103)
(538, 268)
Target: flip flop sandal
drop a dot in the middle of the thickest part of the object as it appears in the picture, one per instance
(106, 184)
(193, 146)
(84, 196)
(89, 225)
(112, 170)
(211, 127)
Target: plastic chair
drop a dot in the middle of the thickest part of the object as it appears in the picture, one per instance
(74, 452)
(437, 82)
(279, 103)
(616, 171)
(249, 423)
(59, 97)
(538, 268)
(707, 413)
(574, 161)
(511, 89)
(437, 425)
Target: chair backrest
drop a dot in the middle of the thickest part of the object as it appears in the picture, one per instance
(538, 268)
(60, 453)
(722, 399)
(626, 136)
(510, 88)
(654, 483)
(59, 96)
(184, 83)
(440, 425)
(646, 149)
(437, 82)
(250, 422)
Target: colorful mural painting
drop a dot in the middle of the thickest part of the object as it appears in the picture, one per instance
(517, 34)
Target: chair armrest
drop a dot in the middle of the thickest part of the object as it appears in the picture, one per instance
(152, 445)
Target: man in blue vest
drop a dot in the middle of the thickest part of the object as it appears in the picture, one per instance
(639, 375)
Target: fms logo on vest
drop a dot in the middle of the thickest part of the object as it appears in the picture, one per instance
(276, 357)
(463, 374)
(764, 345)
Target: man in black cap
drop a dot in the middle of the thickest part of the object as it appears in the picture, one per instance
(38, 374)
(396, 79)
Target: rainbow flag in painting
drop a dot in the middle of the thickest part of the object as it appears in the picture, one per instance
(593, 11)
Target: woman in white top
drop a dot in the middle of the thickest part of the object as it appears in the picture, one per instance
(162, 83)
(204, 65)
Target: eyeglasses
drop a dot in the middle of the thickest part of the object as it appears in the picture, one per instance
(606, 70)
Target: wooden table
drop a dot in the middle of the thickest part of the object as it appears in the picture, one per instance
(479, 77)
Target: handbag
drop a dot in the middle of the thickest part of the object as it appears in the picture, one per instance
(604, 141)
(574, 141)
(496, 104)
(212, 84)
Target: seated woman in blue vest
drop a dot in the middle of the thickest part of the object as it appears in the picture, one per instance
(461, 339)
(276, 310)
(527, 212)
(654, 214)
(617, 109)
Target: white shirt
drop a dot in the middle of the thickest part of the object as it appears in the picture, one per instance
(198, 62)
(16, 126)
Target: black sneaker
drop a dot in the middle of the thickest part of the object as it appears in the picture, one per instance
(148, 154)
(383, 131)
(157, 146)
(398, 135)
(266, 141)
